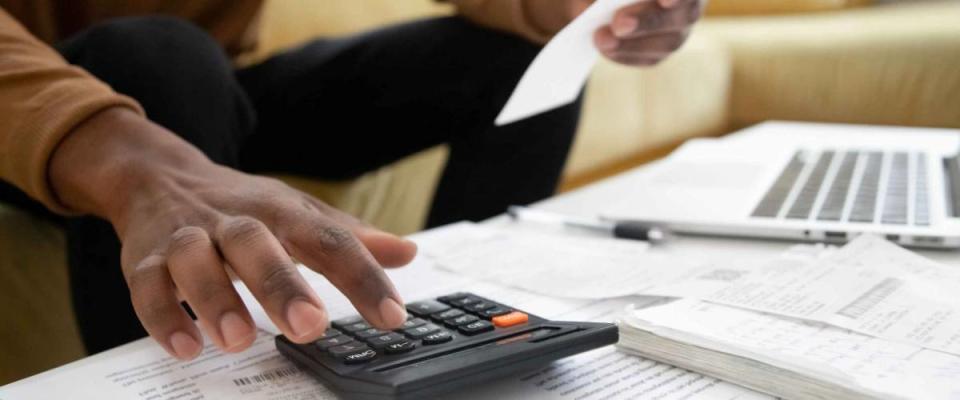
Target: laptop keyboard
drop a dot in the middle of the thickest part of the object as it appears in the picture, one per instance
(855, 186)
(951, 167)
(803, 205)
(832, 209)
(864, 206)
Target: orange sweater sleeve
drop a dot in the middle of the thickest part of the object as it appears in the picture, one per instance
(505, 15)
(42, 98)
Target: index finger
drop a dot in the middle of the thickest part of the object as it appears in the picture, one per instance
(332, 250)
(264, 266)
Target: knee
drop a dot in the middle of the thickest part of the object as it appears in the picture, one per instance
(147, 48)
(489, 44)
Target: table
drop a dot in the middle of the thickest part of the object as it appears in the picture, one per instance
(586, 202)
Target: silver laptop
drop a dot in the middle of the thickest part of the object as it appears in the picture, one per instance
(814, 182)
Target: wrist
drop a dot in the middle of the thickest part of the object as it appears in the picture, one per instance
(110, 158)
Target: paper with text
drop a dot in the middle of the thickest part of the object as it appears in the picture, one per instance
(833, 354)
(870, 286)
(579, 267)
(557, 75)
(142, 370)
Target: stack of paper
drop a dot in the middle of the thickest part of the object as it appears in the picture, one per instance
(869, 321)
(571, 266)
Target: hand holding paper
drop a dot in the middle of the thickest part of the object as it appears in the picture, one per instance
(632, 32)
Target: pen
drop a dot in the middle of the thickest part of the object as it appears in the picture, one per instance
(619, 229)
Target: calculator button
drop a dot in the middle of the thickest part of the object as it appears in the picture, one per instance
(424, 308)
(412, 323)
(437, 338)
(421, 331)
(342, 322)
(461, 320)
(451, 313)
(451, 297)
(324, 344)
(369, 333)
(495, 312)
(359, 357)
(476, 327)
(347, 349)
(379, 342)
(465, 301)
(329, 333)
(400, 347)
(511, 319)
(479, 306)
(354, 327)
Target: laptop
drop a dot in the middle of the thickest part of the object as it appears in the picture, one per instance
(809, 182)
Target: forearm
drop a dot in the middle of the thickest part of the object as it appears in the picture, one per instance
(42, 99)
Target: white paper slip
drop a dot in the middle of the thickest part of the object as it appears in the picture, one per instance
(558, 73)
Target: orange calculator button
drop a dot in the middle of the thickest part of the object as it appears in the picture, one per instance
(514, 318)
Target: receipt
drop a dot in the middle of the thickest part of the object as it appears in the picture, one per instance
(558, 73)
(870, 286)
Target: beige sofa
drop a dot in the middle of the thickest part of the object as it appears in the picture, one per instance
(889, 64)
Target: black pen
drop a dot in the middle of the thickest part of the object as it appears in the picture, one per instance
(619, 229)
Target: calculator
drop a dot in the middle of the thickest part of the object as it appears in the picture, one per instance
(447, 343)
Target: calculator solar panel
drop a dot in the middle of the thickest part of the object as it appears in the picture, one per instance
(446, 343)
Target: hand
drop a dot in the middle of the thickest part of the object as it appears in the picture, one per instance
(643, 33)
(185, 223)
(648, 31)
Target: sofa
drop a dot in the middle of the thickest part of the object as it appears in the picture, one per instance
(892, 62)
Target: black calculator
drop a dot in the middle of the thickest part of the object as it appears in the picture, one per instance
(450, 342)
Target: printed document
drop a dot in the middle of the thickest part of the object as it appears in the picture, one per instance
(570, 266)
(870, 286)
(882, 367)
(142, 370)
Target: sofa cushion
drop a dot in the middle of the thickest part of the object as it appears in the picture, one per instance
(38, 331)
(893, 64)
(747, 7)
(395, 198)
(629, 110)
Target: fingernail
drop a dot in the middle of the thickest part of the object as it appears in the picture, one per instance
(234, 329)
(668, 3)
(624, 26)
(409, 242)
(184, 346)
(391, 313)
(607, 43)
(304, 318)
